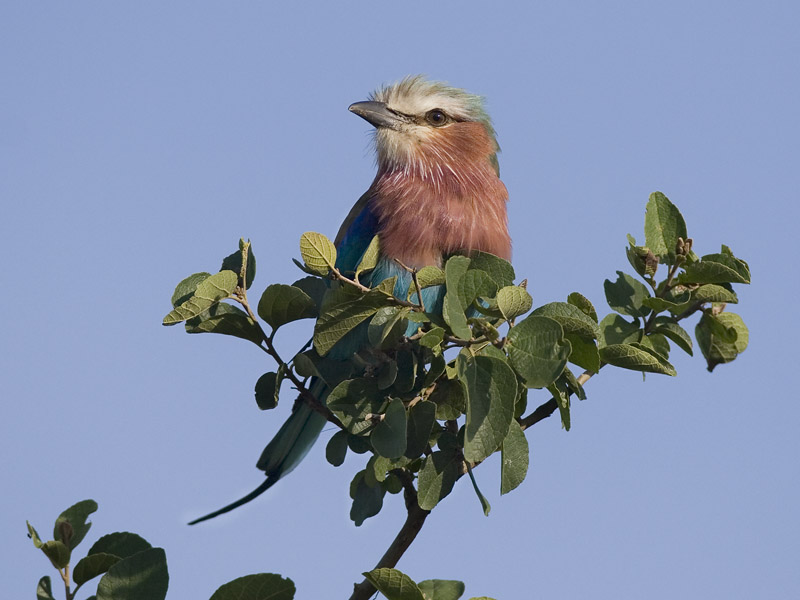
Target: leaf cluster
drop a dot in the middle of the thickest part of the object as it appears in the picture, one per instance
(395, 585)
(648, 312)
(428, 393)
(130, 567)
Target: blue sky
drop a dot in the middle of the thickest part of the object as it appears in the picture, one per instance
(139, 142)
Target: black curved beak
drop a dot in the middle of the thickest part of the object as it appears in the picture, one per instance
(377, 113)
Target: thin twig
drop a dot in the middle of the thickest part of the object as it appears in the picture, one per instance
(337, 275)
(413, 272)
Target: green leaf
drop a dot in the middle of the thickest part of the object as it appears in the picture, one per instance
(513, 301)
(712, 292)
(367, 500)
(44, 589)
(336, 450)
(261, 586)
(616, 330)
(387, 326)
(432, 338)
(515, 457)
(34, 535)
(522, 399)
(642, 259)
(314, 287)
(267, 390)
(389, 436)
(406, 371)
(436, 368)
(491, 388)
(675, 301)
(657, 342)
(58, 553)
(75, 516)
(714, 348)
(369, 260)
(332, 371)
(386, 375)
(663, 225)
(233, 263)
(358, 444)
(441, 589)
(421, 418)
(572, 319)
(377, 468)
(281, 304)
(717, 268)
(473, 285)
(537, 350)
(304, 268)
(394, 585)
(452, 309)
(386, 287)
(719, 329)
(225, 319)
(584, 353)
(561, 397)
(626, 295)
(670, 328)
(500, 270)
(487, 508)
(336, 322)
(427, 277)
(93, 565)
(571, 384)
(636, 357)
(583, 303)
(121, 543)
(352, 400)
(318, 252)
(450, 399)
(210, 291)
(142, 575)
(437, 477)
(186, 288)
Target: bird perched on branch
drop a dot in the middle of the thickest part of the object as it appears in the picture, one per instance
(437, 192)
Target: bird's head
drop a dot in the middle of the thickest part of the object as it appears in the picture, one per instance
(428, 126)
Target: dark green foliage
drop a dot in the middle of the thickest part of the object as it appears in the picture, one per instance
(396, 585)
(267, 389)
(428, 403)
(242, 262)
(406, 397)
(262, 586)
(131, 569)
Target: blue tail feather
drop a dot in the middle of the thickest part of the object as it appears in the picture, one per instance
(287, 449)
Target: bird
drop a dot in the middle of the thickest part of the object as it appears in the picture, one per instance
(437, 192)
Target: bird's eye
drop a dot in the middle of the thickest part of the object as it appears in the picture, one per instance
(436, 117)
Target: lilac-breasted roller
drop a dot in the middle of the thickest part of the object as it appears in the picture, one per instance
(437, 192)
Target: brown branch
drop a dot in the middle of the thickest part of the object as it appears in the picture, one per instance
(541, 413)
(337, 275)
(408, 532)
(415, 280)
